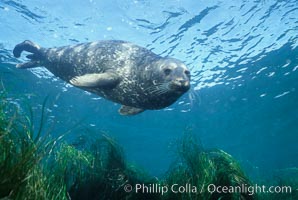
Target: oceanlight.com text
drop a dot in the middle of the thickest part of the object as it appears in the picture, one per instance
(249, 189)
(211, 188)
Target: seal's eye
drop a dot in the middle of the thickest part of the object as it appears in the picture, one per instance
(167, 71)
(187, 73)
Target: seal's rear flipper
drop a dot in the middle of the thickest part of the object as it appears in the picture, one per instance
(26, 65)
(129, 110)
(29, 47)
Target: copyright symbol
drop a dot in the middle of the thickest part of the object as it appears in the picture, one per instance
(127, 188)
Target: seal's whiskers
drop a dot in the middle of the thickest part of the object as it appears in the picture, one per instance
(158, 89)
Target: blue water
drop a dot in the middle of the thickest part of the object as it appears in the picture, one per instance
(243, 57)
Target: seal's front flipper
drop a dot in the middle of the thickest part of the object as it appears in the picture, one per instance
(128, 110)
(102, 80)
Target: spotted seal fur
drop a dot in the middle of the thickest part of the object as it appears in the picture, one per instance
(119, 71)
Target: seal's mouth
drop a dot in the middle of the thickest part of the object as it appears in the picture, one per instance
(180, 85)
(173, 87)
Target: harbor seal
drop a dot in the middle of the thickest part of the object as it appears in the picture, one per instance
(119, 71)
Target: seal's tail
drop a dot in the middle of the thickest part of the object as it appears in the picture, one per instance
(28, 46)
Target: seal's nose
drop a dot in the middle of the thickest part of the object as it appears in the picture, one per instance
(181, 81)
(181, 84)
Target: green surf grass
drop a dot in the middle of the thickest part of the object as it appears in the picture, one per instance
(200, 168)
(43, 168)
(21, 155)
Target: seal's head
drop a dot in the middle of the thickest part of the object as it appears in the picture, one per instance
(169, 80)
(175, 74)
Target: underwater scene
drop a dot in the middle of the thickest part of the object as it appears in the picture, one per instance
(135, 99)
